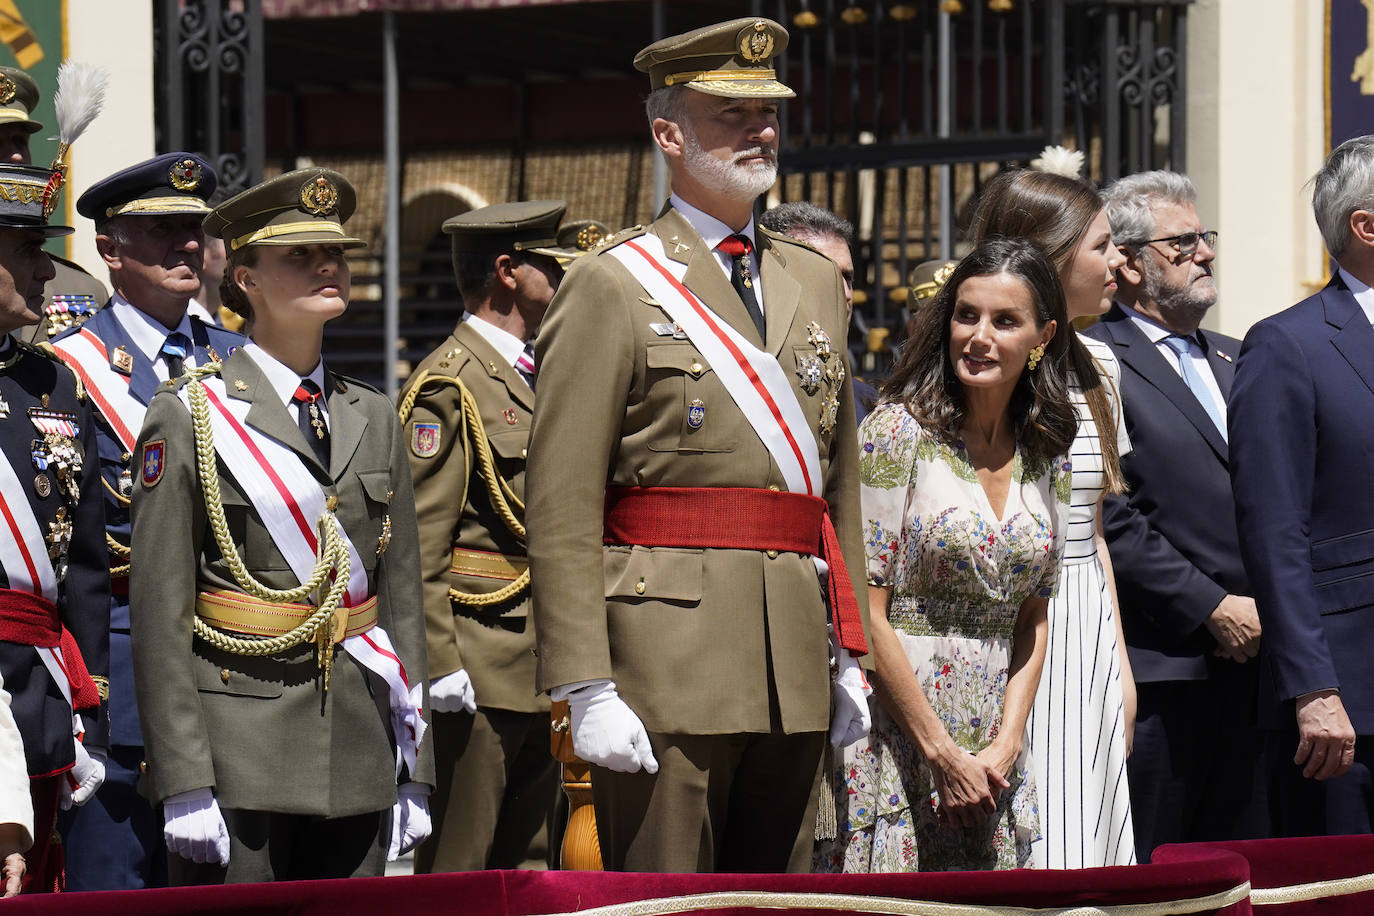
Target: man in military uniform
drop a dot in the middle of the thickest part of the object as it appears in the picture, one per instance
(54, 599)
(467, 410)
(72, 295)
(148, 231)
(696, 418)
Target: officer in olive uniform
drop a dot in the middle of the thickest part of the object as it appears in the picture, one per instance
(467, 410)
(148, 229)
(672, 609)
(307, 757)
(72, 295)
(55, 588)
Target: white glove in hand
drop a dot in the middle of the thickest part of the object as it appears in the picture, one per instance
(83, 779)
(605, 731)
(410, 823)
(194, 828)
(849, 689)
(452, 693)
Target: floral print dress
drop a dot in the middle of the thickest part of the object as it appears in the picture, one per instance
(958, 575)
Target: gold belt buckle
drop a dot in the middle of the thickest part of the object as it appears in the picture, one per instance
(339, 624)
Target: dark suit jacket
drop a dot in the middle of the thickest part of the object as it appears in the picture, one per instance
(1172, 537)
(1302, 465)
(209, 343)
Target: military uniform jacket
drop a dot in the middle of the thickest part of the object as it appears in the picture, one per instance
(494, 643)
(258, 730)
(694, 639)
(70, 298)
(43, 715)
(210, 343)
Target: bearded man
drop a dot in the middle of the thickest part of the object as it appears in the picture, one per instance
(693, 442)
(1191, 627)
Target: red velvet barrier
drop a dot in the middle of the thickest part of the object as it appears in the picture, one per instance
(1277, 867)
(505, 893)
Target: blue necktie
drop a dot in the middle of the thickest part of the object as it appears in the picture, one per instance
(1183, 347)
(175, 349)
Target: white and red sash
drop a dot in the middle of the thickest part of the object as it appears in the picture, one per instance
(289, 502)
(24, 556)
(90, 360)
(753, 377)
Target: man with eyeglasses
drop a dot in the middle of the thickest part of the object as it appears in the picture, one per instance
(1190, 626)
(1303, 471)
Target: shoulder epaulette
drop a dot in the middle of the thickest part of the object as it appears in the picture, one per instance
(45, 349)
(344, 382)
(615, 239)
(780, 237)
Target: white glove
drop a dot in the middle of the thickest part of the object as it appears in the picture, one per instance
(194, 828)
(607, 732)
(453, 693)
(849, 690)
(83, 779)
(410, 823)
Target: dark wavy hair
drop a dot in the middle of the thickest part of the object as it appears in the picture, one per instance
(230, 296)
(1054, 211)
(1043, 420)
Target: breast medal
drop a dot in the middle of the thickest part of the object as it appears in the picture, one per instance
(696, 413)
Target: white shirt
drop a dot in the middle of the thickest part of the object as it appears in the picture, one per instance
(502, 341)
(1361, 291)
(285, 381)
(149, 334)
(1158, 334)
(197, 310)
(713, 232)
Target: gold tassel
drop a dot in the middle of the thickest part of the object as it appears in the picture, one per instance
(827, 827)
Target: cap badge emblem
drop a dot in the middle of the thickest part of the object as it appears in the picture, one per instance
(319, 196)
(589, 237)
(185, 174)
(756, 44)
(8, 89)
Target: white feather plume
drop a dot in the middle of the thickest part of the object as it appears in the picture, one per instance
(80, 96)
(1059, 160)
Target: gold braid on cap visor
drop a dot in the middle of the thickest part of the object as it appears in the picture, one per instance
(267, 232)
(169, 204)
(707, 76)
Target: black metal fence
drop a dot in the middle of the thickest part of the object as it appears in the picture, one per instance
(904, 110)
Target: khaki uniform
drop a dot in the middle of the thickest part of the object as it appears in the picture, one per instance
(259, 730)
(496, 773)
(728, 643)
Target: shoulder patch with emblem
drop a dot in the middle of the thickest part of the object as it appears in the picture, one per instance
(153, 462)
(424, 439)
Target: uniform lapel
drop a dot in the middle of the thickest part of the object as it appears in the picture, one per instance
(495, 365)
(1355, 339)
(143, 380)
(1136, 351)
(347, 425)
(244, 381)
(1223, 367)
(704, 276)
(781, 293)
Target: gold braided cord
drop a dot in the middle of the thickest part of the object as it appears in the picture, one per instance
(898, 906)
(501, 494)
(1315, 890)
(331, 555)
(120, 498)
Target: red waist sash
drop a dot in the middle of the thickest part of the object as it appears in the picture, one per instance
(738, 518)
(31, 620)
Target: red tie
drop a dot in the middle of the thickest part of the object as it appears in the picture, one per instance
(738, 248)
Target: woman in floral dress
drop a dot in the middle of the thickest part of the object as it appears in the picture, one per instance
(965, 488)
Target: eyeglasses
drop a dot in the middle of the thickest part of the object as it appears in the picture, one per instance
(1185, 245)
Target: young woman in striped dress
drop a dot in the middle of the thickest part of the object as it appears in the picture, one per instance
(1084, 710)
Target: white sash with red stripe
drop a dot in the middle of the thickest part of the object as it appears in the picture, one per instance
(88, 358)
(24, 556)
(289, 502)
(753, 377)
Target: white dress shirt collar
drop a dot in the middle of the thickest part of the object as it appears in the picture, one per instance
(502, 341)
(283, 378)
(1361, 291)
(713, 232)
(147, 333)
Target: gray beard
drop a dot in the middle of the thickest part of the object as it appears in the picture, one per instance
(1183, 306)
(738, 182)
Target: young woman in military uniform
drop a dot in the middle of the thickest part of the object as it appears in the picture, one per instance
(279, 634)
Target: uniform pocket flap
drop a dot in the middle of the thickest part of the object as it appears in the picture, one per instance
(659, 573)
(234, 683)
(682, 357)
(1331, 553)
(376, 484)
(509, 443)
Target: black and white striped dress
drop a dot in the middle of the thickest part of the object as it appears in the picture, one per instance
(1077, 732)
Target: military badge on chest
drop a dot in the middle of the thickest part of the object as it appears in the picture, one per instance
(822, 366)
(56, 455)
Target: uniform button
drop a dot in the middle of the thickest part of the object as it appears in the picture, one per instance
(224, 675)
(523, 453)
(639, 587)
(125, 457)
(697, 368)
(772, 554)
(143, 766)
(775, 488)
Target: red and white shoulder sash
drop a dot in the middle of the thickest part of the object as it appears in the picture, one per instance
(753, 377)
(87, 356)
(290, 502)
